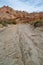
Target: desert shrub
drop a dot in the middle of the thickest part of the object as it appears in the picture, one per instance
(13, 22)
(38, 24)
(4, 23)
(8, 22)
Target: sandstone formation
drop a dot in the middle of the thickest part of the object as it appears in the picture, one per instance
(9, 14)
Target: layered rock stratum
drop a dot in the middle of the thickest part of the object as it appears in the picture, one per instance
(9, 14)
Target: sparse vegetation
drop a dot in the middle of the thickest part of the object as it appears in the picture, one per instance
(5, 22)
(38, 24)
(14, 22)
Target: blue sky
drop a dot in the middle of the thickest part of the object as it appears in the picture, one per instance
(26, 5)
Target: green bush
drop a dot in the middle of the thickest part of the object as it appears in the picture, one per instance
(4, 23)
(38, 23)
(14, 22)
(11, 22)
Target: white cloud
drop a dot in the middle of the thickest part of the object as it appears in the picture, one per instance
(27, 5)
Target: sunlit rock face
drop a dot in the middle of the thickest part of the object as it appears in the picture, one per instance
(7, 13)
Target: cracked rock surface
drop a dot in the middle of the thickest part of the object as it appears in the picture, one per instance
(21, 44)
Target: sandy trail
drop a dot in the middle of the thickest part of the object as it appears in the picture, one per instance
(21, 45)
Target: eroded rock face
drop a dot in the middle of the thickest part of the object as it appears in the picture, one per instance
(21, 45)
(7, 13)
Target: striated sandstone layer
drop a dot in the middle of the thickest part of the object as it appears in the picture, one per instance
(10, 15)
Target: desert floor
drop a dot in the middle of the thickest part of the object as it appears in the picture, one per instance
(21, 44)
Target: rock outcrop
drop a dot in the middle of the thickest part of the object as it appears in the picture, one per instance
(9, 14)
